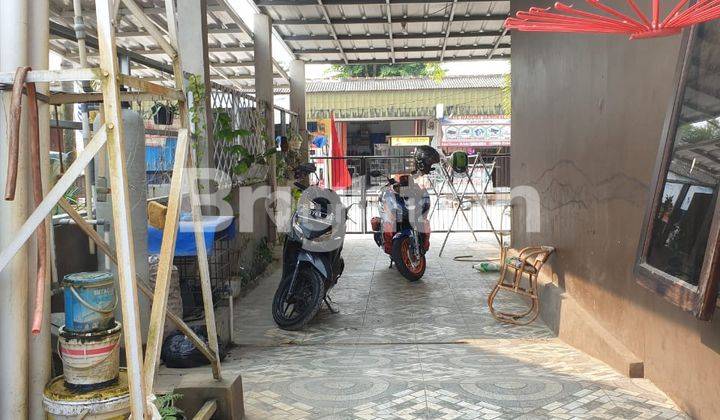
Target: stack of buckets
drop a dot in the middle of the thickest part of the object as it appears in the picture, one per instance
(88, 343)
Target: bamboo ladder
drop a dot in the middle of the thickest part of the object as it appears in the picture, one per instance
(140, 376)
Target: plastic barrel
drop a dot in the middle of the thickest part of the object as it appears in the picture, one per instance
(90, 360)
(90, 301)
(62, 403)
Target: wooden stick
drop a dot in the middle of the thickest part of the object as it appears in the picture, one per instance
(167, 253)
(150, 26)
(171, 20)
(121, 208)
(96, 97)
(150, 87)
(211, 327)
(52, 197)
(206, 411)
(49, 76)
(105, 248)
(205, 285)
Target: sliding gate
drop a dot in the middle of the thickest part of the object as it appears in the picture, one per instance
(363, 193)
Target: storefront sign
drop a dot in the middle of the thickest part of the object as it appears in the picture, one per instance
(491, 130)
(410, 140)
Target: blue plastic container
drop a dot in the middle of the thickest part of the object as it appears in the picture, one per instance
(90, 301)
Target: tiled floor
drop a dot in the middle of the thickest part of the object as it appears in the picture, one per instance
(422, 350)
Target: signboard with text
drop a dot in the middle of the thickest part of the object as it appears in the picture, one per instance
(410, 140)
(476, 131)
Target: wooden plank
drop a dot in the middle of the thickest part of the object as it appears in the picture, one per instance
(171, 20)
(150, 26)
(49, 76)
(210, 325)
(204, 271)
(206, 411)
(167, 253)
(150, 87)
(121, 208)
(52, 197)
(96, 97)
(142, 283)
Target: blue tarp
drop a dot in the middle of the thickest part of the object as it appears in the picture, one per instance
(161, 158)
(214, 228)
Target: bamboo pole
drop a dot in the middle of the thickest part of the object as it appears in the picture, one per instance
(167, 253)
(121, 208)
(52, 197)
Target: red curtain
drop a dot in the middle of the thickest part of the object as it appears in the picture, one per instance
(340, 174)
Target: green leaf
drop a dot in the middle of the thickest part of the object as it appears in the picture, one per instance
(270, 152)
(240, 168)
(242, 133)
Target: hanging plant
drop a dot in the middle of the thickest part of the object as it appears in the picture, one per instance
(163, 114)
(197, 109)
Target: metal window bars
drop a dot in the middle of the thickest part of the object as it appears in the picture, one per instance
(245, 112)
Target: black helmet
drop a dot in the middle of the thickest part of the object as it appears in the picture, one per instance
(425, 158)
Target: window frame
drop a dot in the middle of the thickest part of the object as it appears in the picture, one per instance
(702, 299)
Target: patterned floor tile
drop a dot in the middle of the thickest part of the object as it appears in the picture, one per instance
(423, 350)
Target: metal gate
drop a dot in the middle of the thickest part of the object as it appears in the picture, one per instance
(364, 189)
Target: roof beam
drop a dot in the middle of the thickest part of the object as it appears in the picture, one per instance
(226, 7)
(382, 20)
(447, 30)
(271, 3)
(332, 29)
(497, 42)
(375, 37)
(406, 60)
(211, 30)
(409, 49)
(92, 42)
(390, 31)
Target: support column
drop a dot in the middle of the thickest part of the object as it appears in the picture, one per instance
(193, 51)
(297, 102)
(40, 359)
(14, 279)
(264, 93)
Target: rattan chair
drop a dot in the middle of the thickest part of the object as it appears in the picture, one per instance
(526, 265)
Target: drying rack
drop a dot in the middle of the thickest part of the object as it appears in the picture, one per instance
(462, 197)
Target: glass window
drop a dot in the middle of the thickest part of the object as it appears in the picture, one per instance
(675, 251)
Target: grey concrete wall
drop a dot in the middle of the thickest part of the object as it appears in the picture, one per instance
(588, 113)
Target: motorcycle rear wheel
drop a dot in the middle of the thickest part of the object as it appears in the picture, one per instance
(309, 293)
(410, 267)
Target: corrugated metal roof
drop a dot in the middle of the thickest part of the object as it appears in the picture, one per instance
(404, 83)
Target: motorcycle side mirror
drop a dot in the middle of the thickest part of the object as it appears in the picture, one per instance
(375, 173)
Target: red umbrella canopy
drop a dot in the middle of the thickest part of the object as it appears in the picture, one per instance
(566, 18)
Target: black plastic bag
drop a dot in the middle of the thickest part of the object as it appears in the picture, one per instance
(179, 352)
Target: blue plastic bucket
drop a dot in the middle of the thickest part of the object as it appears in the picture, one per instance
(90, 301)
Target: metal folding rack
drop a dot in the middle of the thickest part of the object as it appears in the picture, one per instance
(449, 176)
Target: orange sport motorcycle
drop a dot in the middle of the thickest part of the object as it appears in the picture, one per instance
(403, 230)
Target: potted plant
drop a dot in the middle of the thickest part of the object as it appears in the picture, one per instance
(163, 114)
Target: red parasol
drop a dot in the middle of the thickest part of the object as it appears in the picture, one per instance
(613, 21)
(340, 174)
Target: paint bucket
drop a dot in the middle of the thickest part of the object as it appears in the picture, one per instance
(63, 403)
(90, 301)
(90, 360)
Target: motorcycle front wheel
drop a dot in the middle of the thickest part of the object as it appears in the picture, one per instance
(410, 266)
(293, 312)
